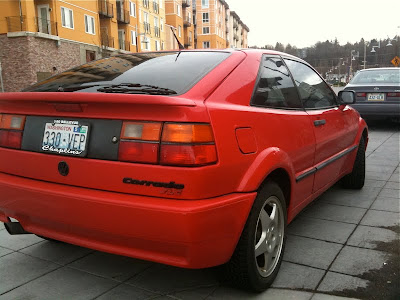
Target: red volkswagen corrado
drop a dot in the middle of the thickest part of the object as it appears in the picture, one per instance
(193, 158)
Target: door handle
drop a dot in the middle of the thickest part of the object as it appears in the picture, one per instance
(319, 122)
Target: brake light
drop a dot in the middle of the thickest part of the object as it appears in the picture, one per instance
(140, 142)
(393, 94)
(11, 128)
(180, 144)
(361, 94)
(187, 145)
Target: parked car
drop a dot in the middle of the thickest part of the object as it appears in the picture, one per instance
(193, 158)
(377, 92)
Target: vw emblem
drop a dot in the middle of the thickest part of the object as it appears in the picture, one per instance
(63, 168)
(376, 88)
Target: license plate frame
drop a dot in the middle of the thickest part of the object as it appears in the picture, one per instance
(66, 137)
(375, 97)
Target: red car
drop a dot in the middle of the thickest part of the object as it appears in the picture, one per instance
(193, 158)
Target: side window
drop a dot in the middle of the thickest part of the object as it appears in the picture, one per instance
(314, 92)
(275, 87)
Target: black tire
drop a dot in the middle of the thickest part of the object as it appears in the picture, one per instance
(356, 179)
(243, 270)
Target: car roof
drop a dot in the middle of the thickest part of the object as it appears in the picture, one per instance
(375, 69)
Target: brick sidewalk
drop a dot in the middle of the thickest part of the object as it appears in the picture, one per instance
(346, 244)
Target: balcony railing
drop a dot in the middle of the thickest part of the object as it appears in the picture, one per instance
(186, 3)
(106, 9)
(156, 7)
(124, 45)
(147, 27)
(146, 3)
(46, 26)
(107, 41)
(187, 22)
(17, 23)
(157, 31)
(122, 14)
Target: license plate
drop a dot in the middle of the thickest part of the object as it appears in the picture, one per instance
(376, 97)
(66, 138)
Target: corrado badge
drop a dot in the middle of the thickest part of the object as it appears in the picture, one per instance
(170, 185)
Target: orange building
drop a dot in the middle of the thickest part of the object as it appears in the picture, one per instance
(179, 16)
(40, 38)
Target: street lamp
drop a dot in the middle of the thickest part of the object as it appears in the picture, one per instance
(373, 47)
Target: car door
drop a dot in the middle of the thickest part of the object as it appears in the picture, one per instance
(328, 120)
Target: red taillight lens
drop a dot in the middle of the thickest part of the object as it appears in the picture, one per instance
(361, 94)
(11, 127)
(138, 152)
(188, 155)
(10, 139)
(393, 94)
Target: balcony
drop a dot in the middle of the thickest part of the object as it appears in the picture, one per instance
(17, 23)
(124, 45)
(235, 37)
(107, 41)
(46, 26)
(122, 14)
(157, 31)
(187, 22)
(186, 3)
(146, 3)
(106, 9)
(235, 25)
(156, 7)
(147, 27)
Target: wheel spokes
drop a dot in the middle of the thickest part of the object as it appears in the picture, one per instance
(261, 246)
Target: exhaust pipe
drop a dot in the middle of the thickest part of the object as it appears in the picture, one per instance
(14, 228)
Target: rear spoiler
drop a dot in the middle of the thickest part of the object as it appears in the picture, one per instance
(88, 98)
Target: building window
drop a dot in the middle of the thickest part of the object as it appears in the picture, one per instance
(146, 43)
(67, 18)
(206, 18)
(157, 43)
(162, 23)
(90, 55)
(204, 3)
(133, 37)
(89, 24)
(206, 30)
(178, 9)
(132, 9)
(206, 45)
(179, 31)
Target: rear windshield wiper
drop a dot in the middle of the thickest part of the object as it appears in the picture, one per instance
(136, 88)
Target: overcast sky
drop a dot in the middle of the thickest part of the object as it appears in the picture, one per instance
(302, 23)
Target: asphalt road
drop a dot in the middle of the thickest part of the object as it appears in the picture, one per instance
(346, 243)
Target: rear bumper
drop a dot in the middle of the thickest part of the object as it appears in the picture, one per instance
(378, 109)
(183, 233)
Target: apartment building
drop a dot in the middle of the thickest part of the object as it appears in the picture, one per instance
(237, 31)
(40, 38)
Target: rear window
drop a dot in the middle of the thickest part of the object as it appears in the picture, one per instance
(377, 76)
(167, 73)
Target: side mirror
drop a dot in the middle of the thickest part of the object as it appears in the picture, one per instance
(347, 97)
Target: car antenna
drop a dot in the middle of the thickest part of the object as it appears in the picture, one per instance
(181, 47)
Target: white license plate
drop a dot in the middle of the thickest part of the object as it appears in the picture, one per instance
(65, 137)
(376, 97)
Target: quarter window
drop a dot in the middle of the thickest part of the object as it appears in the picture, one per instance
(67, 18)
(314, 92)
(89, 24)
(275, 87)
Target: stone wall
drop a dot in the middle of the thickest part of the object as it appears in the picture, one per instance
(24, 56)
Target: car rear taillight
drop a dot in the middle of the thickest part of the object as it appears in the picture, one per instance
(361, 94)
(11, 128)
(393, 94)
(187, 145)
(140, 142)
(173, 144)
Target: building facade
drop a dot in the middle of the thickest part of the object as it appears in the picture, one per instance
(40, 38)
